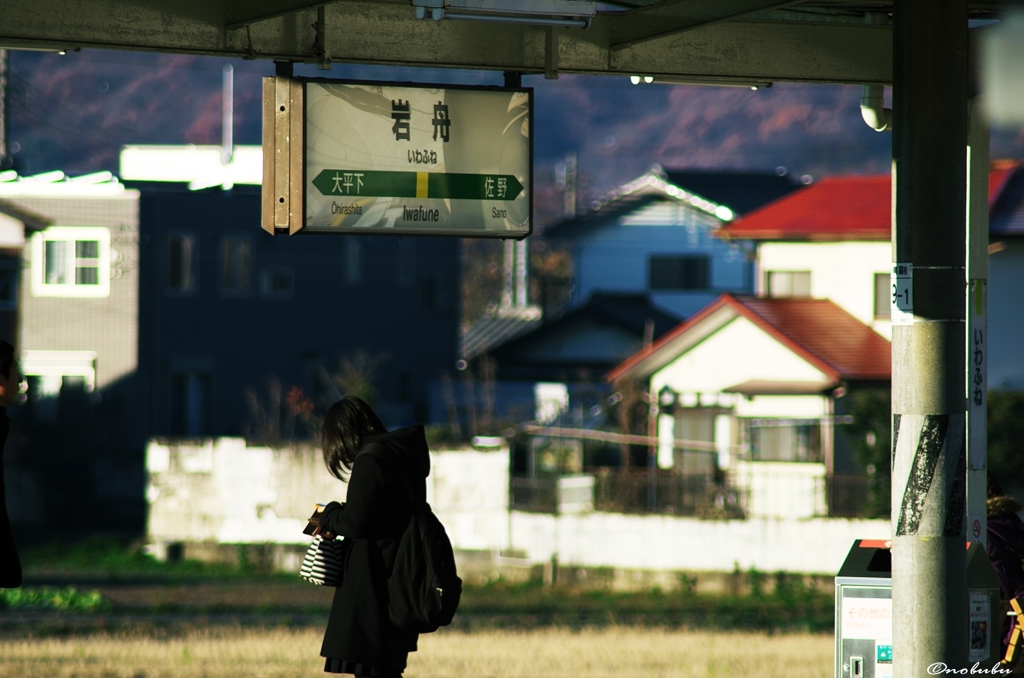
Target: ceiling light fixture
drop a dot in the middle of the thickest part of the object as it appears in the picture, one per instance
(561, 13)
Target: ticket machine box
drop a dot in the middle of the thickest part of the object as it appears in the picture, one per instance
(864, 610)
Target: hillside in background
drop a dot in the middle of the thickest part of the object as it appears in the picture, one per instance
(74, 112)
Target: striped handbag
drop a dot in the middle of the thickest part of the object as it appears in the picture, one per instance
(324, 562)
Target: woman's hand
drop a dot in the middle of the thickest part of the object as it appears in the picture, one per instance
(315, 519)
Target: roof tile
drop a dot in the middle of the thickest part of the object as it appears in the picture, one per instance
(837, 208)
(820, 329)
(816, 329)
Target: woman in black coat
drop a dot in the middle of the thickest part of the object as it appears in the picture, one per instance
(360, 638)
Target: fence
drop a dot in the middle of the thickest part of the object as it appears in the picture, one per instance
(851, 496)
(639, 491)
(671, 493)
(536, 495)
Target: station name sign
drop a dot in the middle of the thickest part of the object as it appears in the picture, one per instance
(380, 158)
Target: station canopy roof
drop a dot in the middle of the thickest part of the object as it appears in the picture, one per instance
(728, 42)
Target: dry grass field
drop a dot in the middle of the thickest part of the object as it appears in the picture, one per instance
(547, 653)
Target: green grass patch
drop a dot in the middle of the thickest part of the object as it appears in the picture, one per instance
(789, 606)
(110, 558)
(51, 598)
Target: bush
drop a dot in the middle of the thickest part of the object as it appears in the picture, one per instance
(1006, 438)
(869, 435)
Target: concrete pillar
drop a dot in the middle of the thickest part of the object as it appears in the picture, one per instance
(928, 350)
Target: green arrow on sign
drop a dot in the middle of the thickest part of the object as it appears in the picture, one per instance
(380, 184)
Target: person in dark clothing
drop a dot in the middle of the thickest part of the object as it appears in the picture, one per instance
(1005, 547)
(10, 380)
(360, 638)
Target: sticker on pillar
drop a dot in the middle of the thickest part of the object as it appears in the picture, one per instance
(902, 287)
(977, 373)
(979, 606)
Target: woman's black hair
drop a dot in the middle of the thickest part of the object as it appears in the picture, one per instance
(347, 423)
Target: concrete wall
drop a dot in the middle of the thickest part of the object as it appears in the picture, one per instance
(689, 544)
(211, 492)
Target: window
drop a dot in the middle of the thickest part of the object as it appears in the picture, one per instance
(699, 426)
(883, 296)
(236, 255)
(59, 384)
(680, 273)
(353, 261)
(181, 264)
(71, 262)
(191, 403)
(784, 284)
(277, 282)
(785, 439)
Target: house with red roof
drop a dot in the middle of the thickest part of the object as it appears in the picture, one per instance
(828, 241)
(764, 378)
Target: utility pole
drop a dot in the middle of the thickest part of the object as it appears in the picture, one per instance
(930, 100)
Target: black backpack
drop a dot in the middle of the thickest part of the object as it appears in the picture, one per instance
(424, 588)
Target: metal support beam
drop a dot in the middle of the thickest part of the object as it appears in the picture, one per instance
(930, 96)
(742, 50)
(551, 53)
(241, 14)
(667, 19)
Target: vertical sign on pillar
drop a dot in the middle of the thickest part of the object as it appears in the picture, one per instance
(977, 321)
(901, 289)
(282, 155)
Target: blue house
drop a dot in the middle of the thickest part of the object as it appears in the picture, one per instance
(654, 236)
(644, 258)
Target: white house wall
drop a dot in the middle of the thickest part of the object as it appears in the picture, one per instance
(738, 352)
(223, 491)
(668, 543)
(468, 490)
(790, 407)
(843, 272)
(107, 325)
